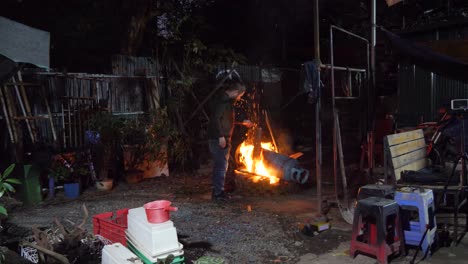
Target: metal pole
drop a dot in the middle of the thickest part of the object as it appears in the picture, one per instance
(316, 30)
(373, 86)
(332, 70)
(373, 40)
(349, 33)
(318, 127)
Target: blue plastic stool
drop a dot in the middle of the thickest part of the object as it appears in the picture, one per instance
(418, 212)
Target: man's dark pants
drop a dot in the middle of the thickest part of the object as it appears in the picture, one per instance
(221, 160)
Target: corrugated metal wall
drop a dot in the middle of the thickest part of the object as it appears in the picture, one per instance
(422, 93)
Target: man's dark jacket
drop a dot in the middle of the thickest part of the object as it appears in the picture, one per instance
(222, 116)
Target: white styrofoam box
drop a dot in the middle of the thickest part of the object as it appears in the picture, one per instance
(144, 251)
(156, 238)
(118, 254)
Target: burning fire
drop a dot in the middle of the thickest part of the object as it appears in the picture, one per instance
(257, 166)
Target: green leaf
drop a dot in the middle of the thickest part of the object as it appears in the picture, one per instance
(2, 191)
(9, 187)
(3, 210)
(8, 170)
(14, 181)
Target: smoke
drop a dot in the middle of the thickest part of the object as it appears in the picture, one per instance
(285, 142)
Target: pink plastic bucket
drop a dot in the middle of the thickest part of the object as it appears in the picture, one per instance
(158, 211)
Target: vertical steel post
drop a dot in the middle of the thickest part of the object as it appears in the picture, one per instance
(332, 70)
(372, 92)
(373, 39)
(318, 125)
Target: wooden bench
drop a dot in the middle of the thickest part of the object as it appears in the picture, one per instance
(404, 152)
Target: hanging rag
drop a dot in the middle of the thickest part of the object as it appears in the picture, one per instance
(312, 80)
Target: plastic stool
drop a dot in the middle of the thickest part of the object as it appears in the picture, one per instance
(377, 228)
(420, 201)
(376, 190)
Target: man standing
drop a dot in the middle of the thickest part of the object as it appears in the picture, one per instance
(220, 131)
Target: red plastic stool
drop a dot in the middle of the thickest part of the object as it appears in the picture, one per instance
(377, 229)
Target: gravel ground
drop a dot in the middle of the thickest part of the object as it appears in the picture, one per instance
(266, 234)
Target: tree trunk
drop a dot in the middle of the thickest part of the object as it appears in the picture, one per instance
(141, 13)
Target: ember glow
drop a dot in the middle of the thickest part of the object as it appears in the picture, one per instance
(257, 166)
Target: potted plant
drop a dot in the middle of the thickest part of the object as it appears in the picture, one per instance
(107, 129)
(133, 148)
(72, 186)
(62, 171)
(144, 143)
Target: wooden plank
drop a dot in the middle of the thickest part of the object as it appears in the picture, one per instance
(415, 166)
(402, 149)
(22, 84)
(408, 158)
(435, 188)
(400, 138)
(31, 117)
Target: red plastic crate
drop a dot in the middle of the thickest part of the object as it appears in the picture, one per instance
(111, 225)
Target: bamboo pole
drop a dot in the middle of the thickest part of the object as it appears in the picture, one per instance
(23, 110)
(51, 121)
(10, 107)
(7, 116)
(26, 103)
(64, 132)
(344, 181)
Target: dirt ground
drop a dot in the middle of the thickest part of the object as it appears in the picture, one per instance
(268, 233)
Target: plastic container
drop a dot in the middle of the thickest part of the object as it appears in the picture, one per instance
(105, 185)
(118, 254)
(155, 239)
(51, 187)
(30, 189)
(158, 211)
(111, 226)
(72, 190)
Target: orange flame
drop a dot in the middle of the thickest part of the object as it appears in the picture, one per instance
(257, 166)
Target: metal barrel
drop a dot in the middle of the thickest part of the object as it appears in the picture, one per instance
(287, 168)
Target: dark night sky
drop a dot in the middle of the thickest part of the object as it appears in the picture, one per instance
(85, 33)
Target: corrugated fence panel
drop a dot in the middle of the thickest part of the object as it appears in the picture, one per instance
(122, 95)
(421, 94)
(414, 100)
(133, 66)
(447, 90)
(422, 101)
(407, 93)
(128, 95)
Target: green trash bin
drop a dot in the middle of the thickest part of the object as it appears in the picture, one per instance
(30, 188)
